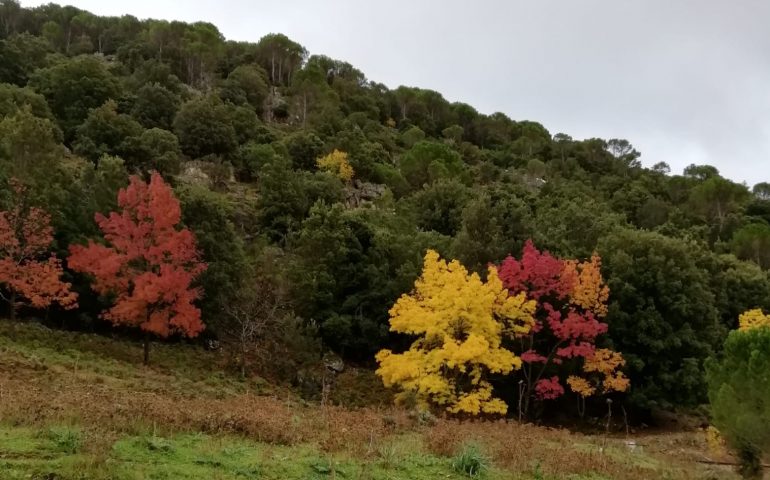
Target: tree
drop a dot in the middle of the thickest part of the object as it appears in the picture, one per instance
(14, 99)
(439, 206)
(246, 84)
(27, 268)
(209, 215)
(700, 172)
(571, 300)
(304, 148)
(155, 106)
(255, 309)
(752, 242)
(337, 164)
(663, 315)
(20, 56)
(107, 132)
(147, 264)
(719, 202)
(158, 150)
(73, 87)
(751, 319)
(204, 127)
(762, 191)
(460, 321)
(426, 162)
(29, 150)
(739, 387)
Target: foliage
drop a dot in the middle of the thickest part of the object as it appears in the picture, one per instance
(571, 299)
(663, 315)
(753, 319)
(460, 321)
(738, 391)
(337, 164)
(204, 127)
(27, 268)
(147, 264)
(74, 87)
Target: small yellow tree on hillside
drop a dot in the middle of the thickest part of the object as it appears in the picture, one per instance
(336, 163)
(753, 319)
(460, 321)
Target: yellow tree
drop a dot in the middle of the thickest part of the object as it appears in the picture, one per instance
(460, 321)
(753, 319)
(336, 163)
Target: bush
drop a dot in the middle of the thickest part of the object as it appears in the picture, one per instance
(739, 386)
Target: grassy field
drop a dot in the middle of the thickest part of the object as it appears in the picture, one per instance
(77, 406)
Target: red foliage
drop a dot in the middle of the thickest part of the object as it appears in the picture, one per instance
(27, 267)
(539, 274)
(148, 264)
(549, 388)
(564, 329)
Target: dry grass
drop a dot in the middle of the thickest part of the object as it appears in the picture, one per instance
(39, 390)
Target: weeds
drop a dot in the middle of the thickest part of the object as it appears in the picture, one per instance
(65, 439)
(471, 460)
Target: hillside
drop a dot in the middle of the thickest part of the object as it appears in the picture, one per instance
(77, 406)
(315, 263)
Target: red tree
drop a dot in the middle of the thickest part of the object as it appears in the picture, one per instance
(571, 297)
(147, 264)
(27, 268)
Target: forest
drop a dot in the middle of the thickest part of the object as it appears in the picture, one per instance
(163, 184)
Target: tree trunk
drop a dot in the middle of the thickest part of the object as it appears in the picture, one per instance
(146, 348)
(12, 304)
(243, 359)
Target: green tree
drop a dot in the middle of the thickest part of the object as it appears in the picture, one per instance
(13, 99)
(159, 150)
(427, 162)
(662, 314)
(204, 127)
(74, 87)
(439, 206)
(208, 214)
(246, 84)
(155, 106)
(739, 387)
(304, 148)
(752, 242)
(720, 203)
(20, 56)
(107, 132)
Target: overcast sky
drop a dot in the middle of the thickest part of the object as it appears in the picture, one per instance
(685, 81)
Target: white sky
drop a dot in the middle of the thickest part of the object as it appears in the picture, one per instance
(685, 81)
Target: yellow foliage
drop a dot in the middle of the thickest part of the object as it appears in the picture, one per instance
(336, 163)
(590, 292)
(460, 321)
(716, 443)
(608, 363)
(753, 319)
(581, 386)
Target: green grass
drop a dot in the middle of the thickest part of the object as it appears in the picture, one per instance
(38, 453)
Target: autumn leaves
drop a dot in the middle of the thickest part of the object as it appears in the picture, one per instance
(538, 315)
(146, 264)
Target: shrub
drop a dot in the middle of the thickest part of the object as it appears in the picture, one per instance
(739, 386)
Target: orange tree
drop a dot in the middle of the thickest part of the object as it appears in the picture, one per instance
(28, 269)
(147, 264)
